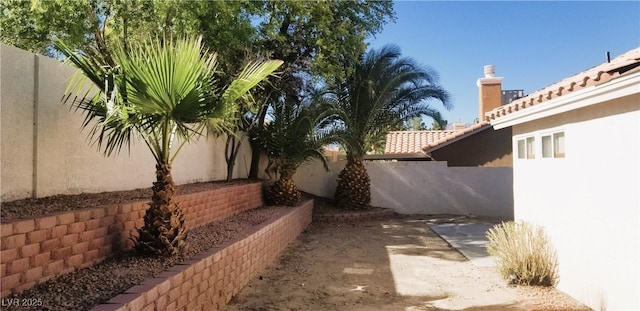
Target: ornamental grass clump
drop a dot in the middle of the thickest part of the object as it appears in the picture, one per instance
(523, 253)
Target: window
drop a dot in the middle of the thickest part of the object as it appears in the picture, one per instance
(551, 145)
(558, 145)
(521, 151)
(527, 148)
(547, 149)
(531, 148)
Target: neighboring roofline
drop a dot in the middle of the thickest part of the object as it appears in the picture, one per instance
(418, 131)
(477, 128)
(412, 142)
(622, 86)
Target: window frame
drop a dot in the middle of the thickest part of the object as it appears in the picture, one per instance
(525, 141)
(539, 149)
(556, 154)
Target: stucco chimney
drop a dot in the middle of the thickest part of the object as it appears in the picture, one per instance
(489, 91)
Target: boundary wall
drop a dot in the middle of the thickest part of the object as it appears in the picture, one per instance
(422, 187)
(43, 151)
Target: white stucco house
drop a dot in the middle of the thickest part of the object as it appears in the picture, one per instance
(576, 171)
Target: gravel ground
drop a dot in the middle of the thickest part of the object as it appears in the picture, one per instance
(29, 208)
(83, 289)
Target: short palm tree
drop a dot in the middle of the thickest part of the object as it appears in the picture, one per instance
(383, 91)
(164, 92)
(294, 135)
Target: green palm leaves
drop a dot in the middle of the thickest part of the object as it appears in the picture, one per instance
(384, 91)
(163, 91)
(294, 135)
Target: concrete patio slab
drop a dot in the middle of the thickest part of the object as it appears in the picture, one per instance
(357, 271)
(469, 239)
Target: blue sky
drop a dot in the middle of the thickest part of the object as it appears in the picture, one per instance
(532, 44)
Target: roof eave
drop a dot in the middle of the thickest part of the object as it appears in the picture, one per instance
(620, 87)
(430, 149)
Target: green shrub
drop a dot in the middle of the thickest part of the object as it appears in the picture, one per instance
(523, 254)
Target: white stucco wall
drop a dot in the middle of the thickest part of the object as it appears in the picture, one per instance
(588, 201)
(421, 187)
(65, 163)
(16, 108)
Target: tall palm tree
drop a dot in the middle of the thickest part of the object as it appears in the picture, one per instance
(294, 135)
(384, 91)
(164, 92)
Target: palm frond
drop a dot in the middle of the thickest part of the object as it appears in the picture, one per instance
(384, 90)
(161, 90)
(251, 75)
(226, 108)
(298, 134)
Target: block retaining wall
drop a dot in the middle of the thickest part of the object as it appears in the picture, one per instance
(209, 280)
(35, 250)
(354, 216)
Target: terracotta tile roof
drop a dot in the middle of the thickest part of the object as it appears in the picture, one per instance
(411, 142)
(597, 75)
(466, 132)
(418, 142)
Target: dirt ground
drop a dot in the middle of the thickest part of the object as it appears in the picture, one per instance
(395, 264)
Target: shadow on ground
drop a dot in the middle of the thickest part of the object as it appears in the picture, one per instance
(373, 265)
(393, 264)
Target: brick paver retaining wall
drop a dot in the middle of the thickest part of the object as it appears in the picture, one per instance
(35, 250)
(354, 216)
(209, 280)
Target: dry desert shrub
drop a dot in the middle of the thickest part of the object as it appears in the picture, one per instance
(523, 254)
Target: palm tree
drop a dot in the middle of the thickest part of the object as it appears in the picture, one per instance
(439, 123)
(294, 135)
(383, 91)
(164, 92)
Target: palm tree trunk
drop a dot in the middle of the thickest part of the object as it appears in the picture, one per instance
(354, 188)
(163, 232)
(284, 190)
